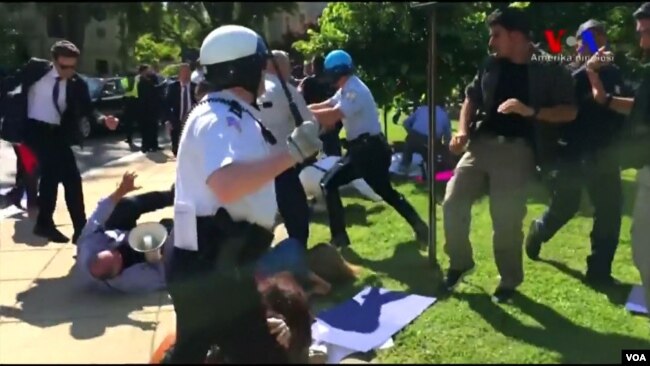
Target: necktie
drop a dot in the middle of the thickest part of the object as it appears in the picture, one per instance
(183, 101)
(55, 95)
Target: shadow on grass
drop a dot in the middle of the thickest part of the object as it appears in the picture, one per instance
(575, 343)
(617, 294)
(407, 265)
(355, 214)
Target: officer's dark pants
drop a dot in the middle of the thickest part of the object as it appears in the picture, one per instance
(331, 141)
(149, 132)
(213, 308)
(368, 157)
(415, 143)
(127, 212)
(26, 182)
(130, 117)
(292, 204)
(57, 165)
(175, 136)
(601, 176)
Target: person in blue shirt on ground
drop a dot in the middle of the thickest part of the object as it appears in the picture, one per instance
(105, 260)
(417, 128)
(368, 155)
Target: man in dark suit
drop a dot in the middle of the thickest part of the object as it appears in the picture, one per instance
(315, 89)
(149, 101)
(57, 98)
(178, 102)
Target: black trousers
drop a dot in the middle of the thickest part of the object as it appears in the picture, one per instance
(149, 131)
(57, 165)
(292, 204)
(415, 143)
(175, 136)
(130, 117)
(213, 308)
(127, 212)
(368, 158)
(600, 175)
(331, 141)
(25, 182)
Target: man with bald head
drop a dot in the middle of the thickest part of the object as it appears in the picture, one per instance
(105, 260)
(277, 117)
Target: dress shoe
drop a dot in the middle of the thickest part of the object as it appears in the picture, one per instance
(75, 237)
(51, 233)
(340, 241)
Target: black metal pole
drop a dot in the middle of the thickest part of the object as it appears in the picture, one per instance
(431, 81)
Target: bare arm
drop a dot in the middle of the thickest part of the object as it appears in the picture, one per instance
(328, 117)
(467, 113)
(618, 104)
(319, 106)
(559, 114)
(236, 180)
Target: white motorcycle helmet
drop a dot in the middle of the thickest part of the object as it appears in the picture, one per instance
(232, 56)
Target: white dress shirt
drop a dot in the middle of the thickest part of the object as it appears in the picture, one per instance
(40, 105)
(184, 92)
(197, 76)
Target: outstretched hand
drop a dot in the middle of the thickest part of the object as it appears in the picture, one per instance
(127, 185)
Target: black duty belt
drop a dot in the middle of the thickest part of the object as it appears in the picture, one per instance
(366, 138)
(222, 239)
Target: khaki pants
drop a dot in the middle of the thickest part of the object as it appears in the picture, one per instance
(641, 230)
(502, 169)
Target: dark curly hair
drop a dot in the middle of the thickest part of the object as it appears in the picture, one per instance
(248, 339)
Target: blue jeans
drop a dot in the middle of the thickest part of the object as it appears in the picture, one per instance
(289, 255)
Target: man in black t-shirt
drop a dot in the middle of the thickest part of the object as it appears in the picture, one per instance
(519, 95)
(589, 159)
(638, 123)
(317, 90)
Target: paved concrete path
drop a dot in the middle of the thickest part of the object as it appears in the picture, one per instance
(43, 319)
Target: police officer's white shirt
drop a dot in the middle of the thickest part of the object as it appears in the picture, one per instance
(40, 105)
(359, 109)
(197, 76)
(275, 111)
(213, 138)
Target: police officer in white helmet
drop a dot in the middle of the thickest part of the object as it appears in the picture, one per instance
(225, 201)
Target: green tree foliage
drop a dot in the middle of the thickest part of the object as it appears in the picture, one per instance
(389, 43)
(148, 50)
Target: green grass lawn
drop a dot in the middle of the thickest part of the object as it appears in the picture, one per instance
(555, 318)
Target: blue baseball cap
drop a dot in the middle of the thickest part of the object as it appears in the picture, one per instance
(338, 59)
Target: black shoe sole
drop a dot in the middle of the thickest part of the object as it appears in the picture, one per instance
(533, 248)
(460, 279)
